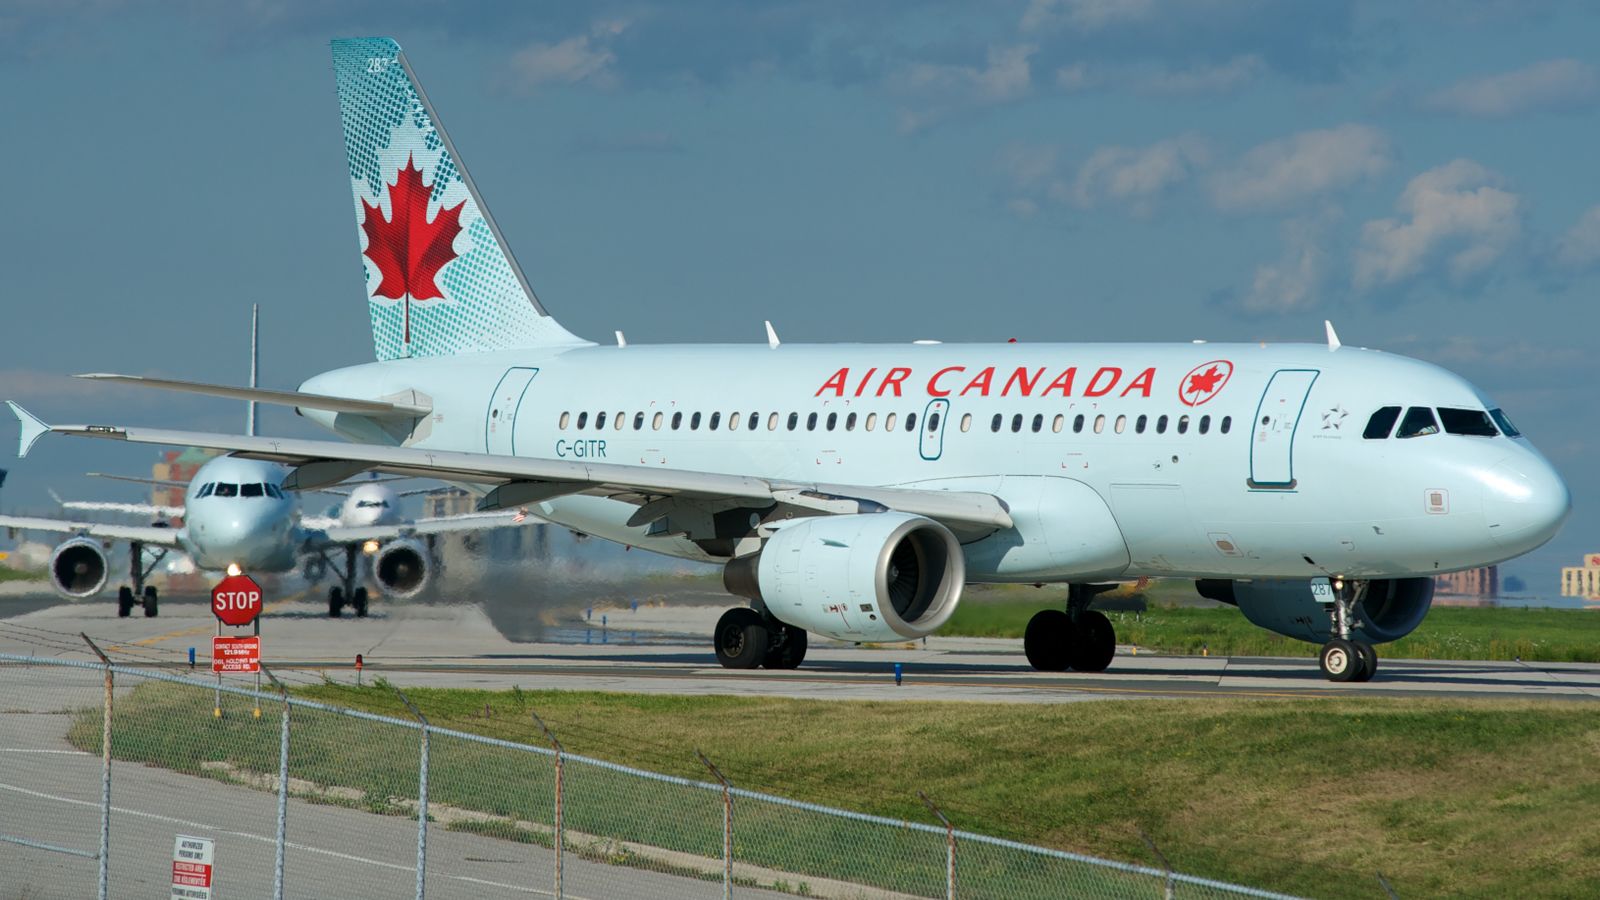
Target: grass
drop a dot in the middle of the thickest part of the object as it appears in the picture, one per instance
(1460, 798)
(1503, 633)
(9, 574)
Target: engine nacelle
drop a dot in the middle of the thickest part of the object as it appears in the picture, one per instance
(402, 568)
(1392, 608)
(885, 576)
(78, 568)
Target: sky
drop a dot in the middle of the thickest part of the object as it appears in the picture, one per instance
(1110, 170)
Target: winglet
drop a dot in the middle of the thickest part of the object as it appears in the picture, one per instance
(1333, 336)
(772, 335)
(32, 428)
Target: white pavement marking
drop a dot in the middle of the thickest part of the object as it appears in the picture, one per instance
(62, 752)
(273, 840)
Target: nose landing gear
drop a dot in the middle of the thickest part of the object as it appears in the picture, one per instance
(1345, 658)
(140, 594)
(346, 592)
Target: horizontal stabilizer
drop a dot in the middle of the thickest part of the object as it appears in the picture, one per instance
(32, 429)
(375, 408)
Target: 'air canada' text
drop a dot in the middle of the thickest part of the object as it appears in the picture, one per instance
(990, 381)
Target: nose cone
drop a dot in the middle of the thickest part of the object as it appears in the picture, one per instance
(1524, 502)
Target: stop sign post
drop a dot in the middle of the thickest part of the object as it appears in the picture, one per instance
(236, 600)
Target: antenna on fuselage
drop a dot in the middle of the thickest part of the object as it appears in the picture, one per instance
(1333, 336)
(772, 335)
(621, 341)
(255, 368)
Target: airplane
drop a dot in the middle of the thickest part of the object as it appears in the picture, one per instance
(852, 490)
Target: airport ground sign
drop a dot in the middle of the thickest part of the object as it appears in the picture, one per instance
(236, 600)
(236, 654)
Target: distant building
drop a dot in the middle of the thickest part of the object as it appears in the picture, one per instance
(1582, 581)
(448, 502)
(176, 466)
(1484, 582)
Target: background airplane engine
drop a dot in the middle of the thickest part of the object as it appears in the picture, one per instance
(78, 568)
(1393, 607)
(872, 577)
(402, 567)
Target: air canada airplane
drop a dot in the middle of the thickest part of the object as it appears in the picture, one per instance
(852, 490)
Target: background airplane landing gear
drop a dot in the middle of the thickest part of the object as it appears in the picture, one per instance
(124, 601)
(151, 602)
(335, 601)
(358, 599)
(741, 639)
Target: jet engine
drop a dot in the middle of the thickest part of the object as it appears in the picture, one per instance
(1391, 609)
(402, 567)
(78, 568)
(885, 576)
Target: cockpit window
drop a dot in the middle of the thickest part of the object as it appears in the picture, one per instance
(253, 490)
(1508, 429)
(1381, 423)
(224, 489)
(1418, 422)
(1473, 422)
(372, 504)
(206, 490)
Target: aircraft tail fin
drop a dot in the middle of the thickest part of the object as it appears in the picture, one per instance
(440, 278)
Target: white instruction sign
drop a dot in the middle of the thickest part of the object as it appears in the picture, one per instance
(191, 868)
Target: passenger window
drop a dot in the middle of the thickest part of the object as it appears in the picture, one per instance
(772, 421)
(1139, 423)
(1058, 423)
(1099, 424)
(1077, 424)
(1161, 425)
(655, 421)
(716, 419)
(850, 422)
(621, 420)
(1016, 423)
(966, 421)
(565, 419)
(225, 489)
(694, 422)
(1506, 428)
(1205, 424)
(755, 421)
(599, 421)
(933, 423)
(1381, 423)
(1183, 424)
(1418, 422)
(794, 421)
(638, 421)
(811, 422)
(583, 419)
(1122, 422)
(677, 421)
(888, 422)
(1471, 422)
(996, 422)
(911, 421)
(1038, 422)
(253, 490)
(833, 419)
(733, 421)
(872, 420)
(1227, 423)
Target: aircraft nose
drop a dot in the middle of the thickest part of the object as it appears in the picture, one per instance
(1525, 502)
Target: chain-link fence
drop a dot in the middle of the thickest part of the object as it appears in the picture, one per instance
(304, 799)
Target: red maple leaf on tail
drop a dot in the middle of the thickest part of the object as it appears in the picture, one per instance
(408, 249)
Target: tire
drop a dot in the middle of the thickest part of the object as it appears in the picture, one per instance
(358, 599)
(1046, 642)
(1093, 643)
(124, 601)
(335, 602)
(1369, 661)
(1340, 660)
(152, 602)
(790, 653)
(741, 639)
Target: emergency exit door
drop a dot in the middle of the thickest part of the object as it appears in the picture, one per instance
(500, 421)
(1277, 418)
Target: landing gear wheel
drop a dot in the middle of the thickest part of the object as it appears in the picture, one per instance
(151, 602)
(741, 639)
(1369, 661)
(790, 653)
(1093, 642)
(1340, 660)
(1047, 642)
(335, 602)
(125, 601)
(358, 599)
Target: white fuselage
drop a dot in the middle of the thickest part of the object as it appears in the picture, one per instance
(236, 513)
(1112, 458)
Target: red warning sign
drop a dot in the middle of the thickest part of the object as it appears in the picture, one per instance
(236, 654)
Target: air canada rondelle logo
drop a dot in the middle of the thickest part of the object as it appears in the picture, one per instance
(1204, 382)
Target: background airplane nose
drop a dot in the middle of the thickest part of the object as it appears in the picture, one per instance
(1525, 502)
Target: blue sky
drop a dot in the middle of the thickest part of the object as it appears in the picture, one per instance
(1055, 169)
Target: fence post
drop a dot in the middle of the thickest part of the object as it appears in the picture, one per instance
(283, 788)
(727, 826)
(105, 776)
(1171, 887)
(950, 848)
(422, 797)
(559, 826)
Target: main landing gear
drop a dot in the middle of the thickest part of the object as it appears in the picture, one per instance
(1078, 638)
(140, 594)
(346, 592)
(1345, 658)
(748, 638)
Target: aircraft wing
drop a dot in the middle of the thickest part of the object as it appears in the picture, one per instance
(138, 509)
(342, 534)
(522, 481)
(165, 537)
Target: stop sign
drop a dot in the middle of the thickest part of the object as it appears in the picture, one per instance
(236, 600)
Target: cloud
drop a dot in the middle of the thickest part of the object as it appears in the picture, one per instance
(1084, 15)
(939, 89)
(1556, 85)
(1294, 282)
(1288, 170)
(1456, 216)
(580, 59)
(1205, 78)
(1137, 177)
(1579, 248)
